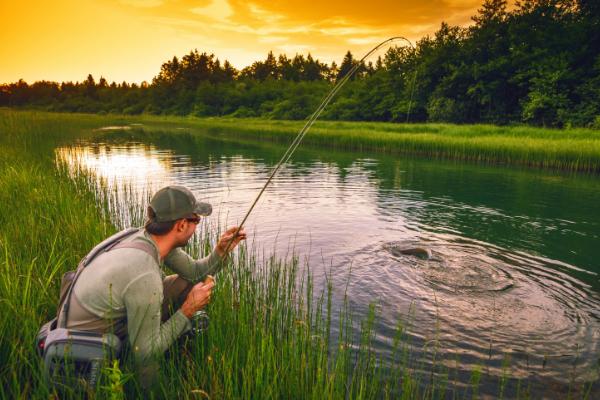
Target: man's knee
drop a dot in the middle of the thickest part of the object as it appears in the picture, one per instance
(174, 287)
(175, 290)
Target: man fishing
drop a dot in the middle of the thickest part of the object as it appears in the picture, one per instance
(124, 291)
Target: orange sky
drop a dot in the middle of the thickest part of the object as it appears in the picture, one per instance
(64, 40)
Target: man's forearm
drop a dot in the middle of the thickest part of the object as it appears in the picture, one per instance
(193, 270)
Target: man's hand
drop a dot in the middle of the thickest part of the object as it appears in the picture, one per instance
(197, 298)
(227, 237)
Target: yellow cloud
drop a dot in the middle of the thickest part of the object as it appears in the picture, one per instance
(294, 48)
(366, 40)
(348, 30)
(217, 9)
(142, 3)
(264, 15)
(273, 39)
(129, 39)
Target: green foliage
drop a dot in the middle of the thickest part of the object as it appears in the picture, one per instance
(442, 109)
(547, 101)
(115, 381)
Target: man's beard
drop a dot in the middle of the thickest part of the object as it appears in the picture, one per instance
(183, 243)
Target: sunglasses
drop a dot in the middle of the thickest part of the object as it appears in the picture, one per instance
(193, 220)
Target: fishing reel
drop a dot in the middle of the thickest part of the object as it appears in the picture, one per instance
(200, 322)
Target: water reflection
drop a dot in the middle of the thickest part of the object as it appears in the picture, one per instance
(514, 253)
(132, 165)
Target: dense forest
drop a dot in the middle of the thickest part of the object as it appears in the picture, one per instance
(537, 63)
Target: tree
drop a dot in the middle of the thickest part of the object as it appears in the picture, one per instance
(333, 72)
(90, 87)
(298, 66)
(313, 70)
(491, 12)
(538, 62)
(347, 64)
(547, 102)
(262, 70)
(285, 69)
(169, 72)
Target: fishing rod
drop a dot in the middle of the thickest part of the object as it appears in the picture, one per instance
(309, 123)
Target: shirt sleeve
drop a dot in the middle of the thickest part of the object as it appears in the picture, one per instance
(147, 335)
(192, 270)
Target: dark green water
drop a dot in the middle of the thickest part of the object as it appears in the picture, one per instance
(514, 268)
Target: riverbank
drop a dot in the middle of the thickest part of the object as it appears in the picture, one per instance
(265, 341)
(570, 149)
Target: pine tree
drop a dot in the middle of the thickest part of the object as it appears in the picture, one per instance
(347, 64)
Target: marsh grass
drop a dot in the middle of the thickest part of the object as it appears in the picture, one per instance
(573, 150)
(567, 149)
(271, 335)
(561, 149)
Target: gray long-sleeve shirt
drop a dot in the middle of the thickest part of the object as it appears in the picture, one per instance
(125, 286)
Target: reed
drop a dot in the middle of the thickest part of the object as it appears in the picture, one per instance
(567, 149)
(572, 150)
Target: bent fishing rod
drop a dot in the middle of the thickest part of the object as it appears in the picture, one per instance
(309, 123)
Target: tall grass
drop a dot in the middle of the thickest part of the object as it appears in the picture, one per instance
(268, 339)
(270, 334)
(574, 150)
(48, 222)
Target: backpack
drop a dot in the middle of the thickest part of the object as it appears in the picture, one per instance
(71, 356)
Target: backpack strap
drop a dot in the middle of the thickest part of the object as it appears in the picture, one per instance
(144, 246)
(104, 246)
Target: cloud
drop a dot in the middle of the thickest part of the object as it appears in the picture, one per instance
(217, 9)
(294, 48)
(373, 40)
(377, 13)
(264, 15)
(142, 3)
(332, 28)
(273, 39)
(348, 30)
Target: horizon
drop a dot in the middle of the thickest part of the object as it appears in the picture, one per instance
(129, 40)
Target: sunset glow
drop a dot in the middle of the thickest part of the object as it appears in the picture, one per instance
(64, 40)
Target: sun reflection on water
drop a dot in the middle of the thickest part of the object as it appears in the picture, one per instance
(132, 165)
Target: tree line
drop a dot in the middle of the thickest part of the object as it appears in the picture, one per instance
(538, 63)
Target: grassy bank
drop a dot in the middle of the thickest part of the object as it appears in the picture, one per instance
(576, 149)
(571, 150)
(265, 340)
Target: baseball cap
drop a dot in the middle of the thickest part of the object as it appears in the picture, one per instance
(174, 202)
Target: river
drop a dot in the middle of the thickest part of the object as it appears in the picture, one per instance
(511, 287)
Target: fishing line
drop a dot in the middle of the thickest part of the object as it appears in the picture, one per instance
(412, 92)
(311, 120)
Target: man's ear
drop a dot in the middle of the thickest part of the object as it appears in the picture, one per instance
(180, 225)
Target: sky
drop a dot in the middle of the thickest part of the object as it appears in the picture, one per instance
(128, 40)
